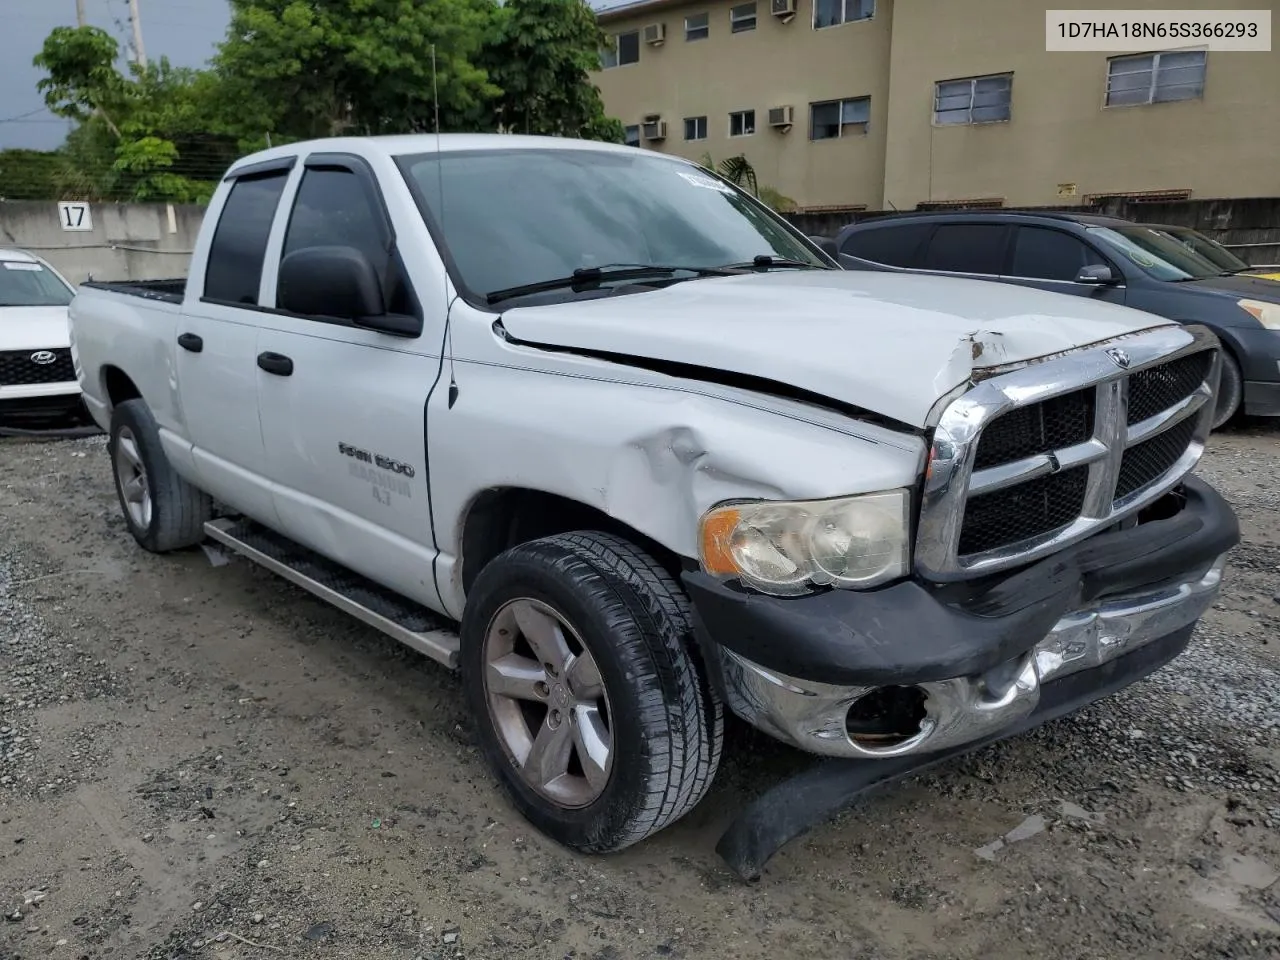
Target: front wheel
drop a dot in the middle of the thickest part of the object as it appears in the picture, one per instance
(590, 706)
(1230, 391)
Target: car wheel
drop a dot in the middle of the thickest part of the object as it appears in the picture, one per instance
(162, 511)
(1230, 391)
(578, 663)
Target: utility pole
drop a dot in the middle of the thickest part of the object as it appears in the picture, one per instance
(135, 19)
(79, 13)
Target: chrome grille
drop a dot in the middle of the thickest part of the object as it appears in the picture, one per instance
(1032, 460)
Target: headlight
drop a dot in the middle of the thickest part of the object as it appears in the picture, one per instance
(1267, 314)
(784, 548)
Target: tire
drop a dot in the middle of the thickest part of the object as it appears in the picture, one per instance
(633, 623)
(172, 513)
(1230, 391)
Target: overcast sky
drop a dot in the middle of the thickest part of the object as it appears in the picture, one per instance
(185, 31)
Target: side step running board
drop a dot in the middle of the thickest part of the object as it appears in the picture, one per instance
(397, 616)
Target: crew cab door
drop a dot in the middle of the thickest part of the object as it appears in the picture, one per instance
(343, 406)
(217, 336)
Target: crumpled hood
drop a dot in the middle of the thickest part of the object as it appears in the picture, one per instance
(34, 328)
(889, 343)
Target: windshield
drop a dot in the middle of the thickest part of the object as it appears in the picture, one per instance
(25, 284)
(1215, 253)
(523, 216)
(1157, 253)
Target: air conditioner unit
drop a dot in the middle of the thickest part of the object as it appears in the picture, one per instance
(653, 129)
(784, 10)
(655, 33)
(781, 116)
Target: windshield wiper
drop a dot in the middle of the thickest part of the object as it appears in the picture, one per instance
(587, 277)
(766, 261)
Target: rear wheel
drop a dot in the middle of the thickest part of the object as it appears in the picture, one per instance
(590, 705)
(162, 511)
(1230, 391)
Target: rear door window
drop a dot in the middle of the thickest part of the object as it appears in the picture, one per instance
(967, 248)
(895, 246)
(239, 245)
(1043, 254)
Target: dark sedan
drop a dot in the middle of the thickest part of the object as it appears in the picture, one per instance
(1169, 271)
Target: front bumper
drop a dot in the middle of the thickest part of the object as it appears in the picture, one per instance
(993, 658)
(1261, 399)
(976, 657)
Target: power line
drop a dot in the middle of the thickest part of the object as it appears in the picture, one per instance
(30, 113)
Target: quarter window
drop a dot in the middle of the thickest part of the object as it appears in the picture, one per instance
(839, 118)
(742, 18)
(742, 123)
(976, 100)
(621, 50)
(695, 128)
(832, 13)
(234, 268)
(1156, 78)
(897, 246)
(697, 26)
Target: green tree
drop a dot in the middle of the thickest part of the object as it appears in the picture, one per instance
(144, 135)
(314, 68)
(739, 171)
(541, 57)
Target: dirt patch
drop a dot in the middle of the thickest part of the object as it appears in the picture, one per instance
(201, 761)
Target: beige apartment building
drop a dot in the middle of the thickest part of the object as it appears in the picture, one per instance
(879, 104)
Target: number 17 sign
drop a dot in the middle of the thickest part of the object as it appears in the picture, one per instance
(75, 215)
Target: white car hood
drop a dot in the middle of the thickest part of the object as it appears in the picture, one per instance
(34, 328)
(889, 343)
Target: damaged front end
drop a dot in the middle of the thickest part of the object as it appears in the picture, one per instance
(1061, 553)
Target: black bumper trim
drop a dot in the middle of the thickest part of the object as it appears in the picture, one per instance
(910, 633)
(812, 797)
(1261, 399)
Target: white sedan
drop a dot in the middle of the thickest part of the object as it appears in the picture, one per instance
(37, 376)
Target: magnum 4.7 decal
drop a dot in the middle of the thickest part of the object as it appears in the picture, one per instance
(395, 479)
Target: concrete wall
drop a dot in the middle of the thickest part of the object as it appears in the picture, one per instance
(138, 241)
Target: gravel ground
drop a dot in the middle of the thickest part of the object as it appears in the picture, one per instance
(201, 761)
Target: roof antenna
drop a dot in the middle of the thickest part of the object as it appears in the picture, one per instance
(448, 326)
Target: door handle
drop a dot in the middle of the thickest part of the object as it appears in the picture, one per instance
(189, 341)
(276, 363)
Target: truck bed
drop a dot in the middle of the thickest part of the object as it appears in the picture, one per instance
(168, 291)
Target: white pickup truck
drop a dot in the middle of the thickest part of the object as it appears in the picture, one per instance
(599, 429)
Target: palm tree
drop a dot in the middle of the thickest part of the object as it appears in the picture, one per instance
(738, 171)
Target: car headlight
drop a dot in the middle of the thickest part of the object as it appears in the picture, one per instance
(787, 547)
(1267, 314)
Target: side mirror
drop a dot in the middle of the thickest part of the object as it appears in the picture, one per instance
(329, 282)
(828, 246)
(1096, 275)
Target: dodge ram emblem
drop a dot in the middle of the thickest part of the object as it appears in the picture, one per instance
(1120, 357)
(43, 357)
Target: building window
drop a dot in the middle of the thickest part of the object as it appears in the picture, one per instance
(832, 13)
(976, 100)
(1155, 78)
(742, 18)
(624, 49)
(695, 128)
(742, 123)
(839, 118)
(632, 135)
(697, 27)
